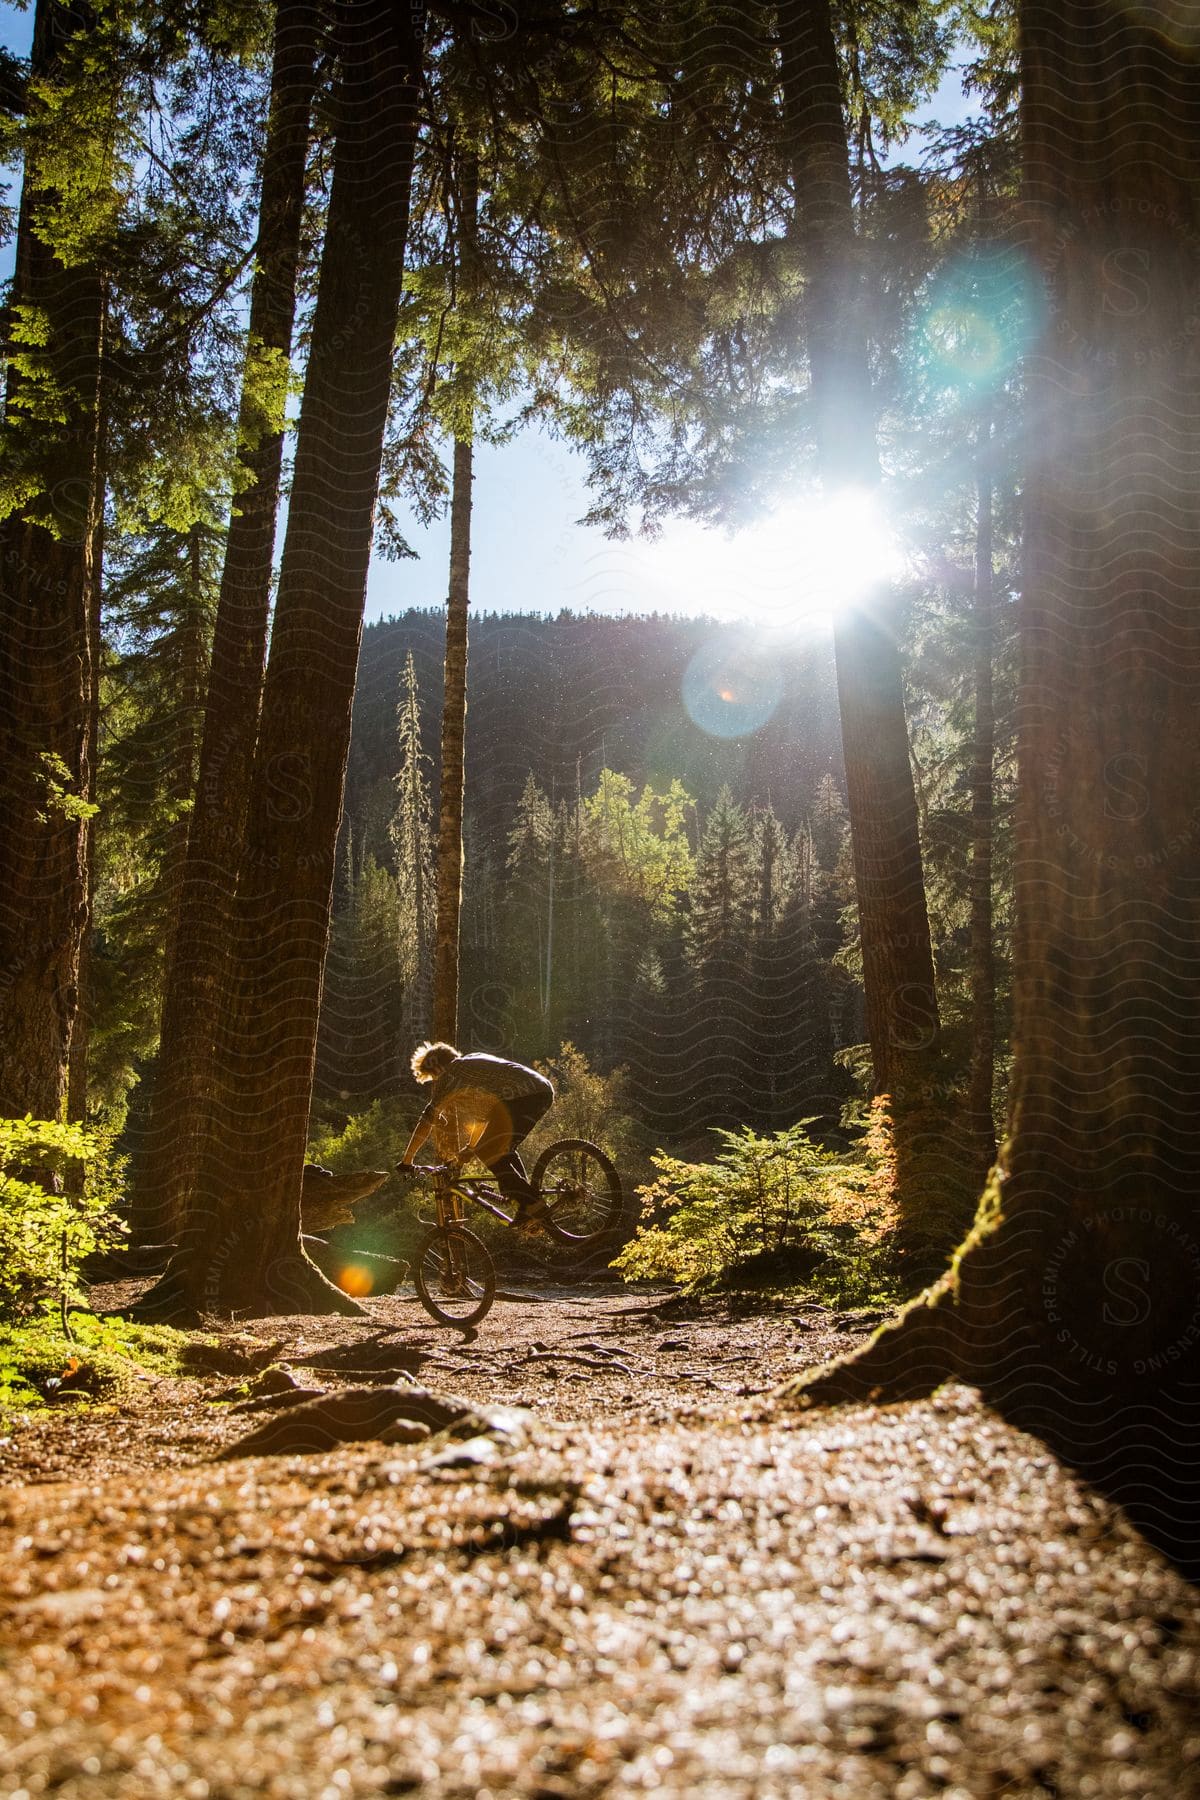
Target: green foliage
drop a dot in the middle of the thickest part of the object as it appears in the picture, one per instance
(372, 1139)
(592, 1105)
(159, 605)
(779, 1208)
(718, 926)
(38, 1362)
(638, 848)
(45, 1233)
(57, 779)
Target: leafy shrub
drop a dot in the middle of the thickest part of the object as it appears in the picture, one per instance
(39, 1362)
(45, 1233)
(589, 1105)
(373, 1139)
(778, 1208)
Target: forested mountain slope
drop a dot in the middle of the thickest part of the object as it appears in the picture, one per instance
(561, 698)
(655, 862)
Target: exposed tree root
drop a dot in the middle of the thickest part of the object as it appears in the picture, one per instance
(1137, 1437)
(191, 1289)
(950, 1330)
(905, 1360)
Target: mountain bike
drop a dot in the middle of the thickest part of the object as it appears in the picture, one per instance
(578, 1200)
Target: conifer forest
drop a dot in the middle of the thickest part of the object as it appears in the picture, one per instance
(599, 1178)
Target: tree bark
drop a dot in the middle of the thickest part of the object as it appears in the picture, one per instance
(451, 790)
(453, 772)
(241, 1241)
(1075, 1300)
(48, 581)
(79, 1057)
(197, 966)
(982, 959)
(902, 1015)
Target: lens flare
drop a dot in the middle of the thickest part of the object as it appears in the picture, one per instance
(978, 320)
(966, 342)
(356, 1280)
(731, 687)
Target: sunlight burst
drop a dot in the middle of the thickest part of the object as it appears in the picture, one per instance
(789, 573)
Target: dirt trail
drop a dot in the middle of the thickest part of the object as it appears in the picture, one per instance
(669, 1588)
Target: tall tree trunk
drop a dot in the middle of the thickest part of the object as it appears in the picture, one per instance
(241, 1241)
(48, 580)
(190, 657)
(453, 773)
(1075, 1300)
(982, 959)
(898, 976)
(452, 787)
(79, 1058)
(902, 1016)
(197, 954)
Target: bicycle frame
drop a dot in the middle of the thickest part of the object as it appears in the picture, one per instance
(452, 1190)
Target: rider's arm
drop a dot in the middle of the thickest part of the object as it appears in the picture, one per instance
(421, 1131)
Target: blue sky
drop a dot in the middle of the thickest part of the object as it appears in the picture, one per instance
(528, 551)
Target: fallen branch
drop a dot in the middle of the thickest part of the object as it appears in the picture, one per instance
(572, 1356)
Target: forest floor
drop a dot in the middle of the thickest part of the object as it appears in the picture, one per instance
(657, 1581)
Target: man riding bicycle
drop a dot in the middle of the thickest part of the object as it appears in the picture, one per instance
(483, 1105)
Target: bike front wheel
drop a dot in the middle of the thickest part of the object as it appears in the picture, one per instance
(580, 1189)
(455, 1276)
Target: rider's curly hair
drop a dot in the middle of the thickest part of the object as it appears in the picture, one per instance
(430, 1060)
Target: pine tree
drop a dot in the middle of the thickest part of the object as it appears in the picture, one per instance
(773, 871)
(534, 856)
(717, 942)
(51, 515)
(411, 832)
(827, 823)
(362, 1047)
(723, 894)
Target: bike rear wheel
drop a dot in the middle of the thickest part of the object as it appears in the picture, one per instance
(580, 1189)
(455, 1276)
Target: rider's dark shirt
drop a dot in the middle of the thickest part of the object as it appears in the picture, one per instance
(490, 1075)
(471, 1103)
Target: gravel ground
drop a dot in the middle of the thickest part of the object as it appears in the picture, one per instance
(666, 1585)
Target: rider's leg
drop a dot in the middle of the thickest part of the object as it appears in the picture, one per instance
(498, 1149)
(513, 1182)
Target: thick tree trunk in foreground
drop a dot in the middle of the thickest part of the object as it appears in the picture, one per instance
(1076, 1301)
(982, 958)
(902, 1017)
(48, 577)
(197, 955)
(453, 771)
(241, 1239)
